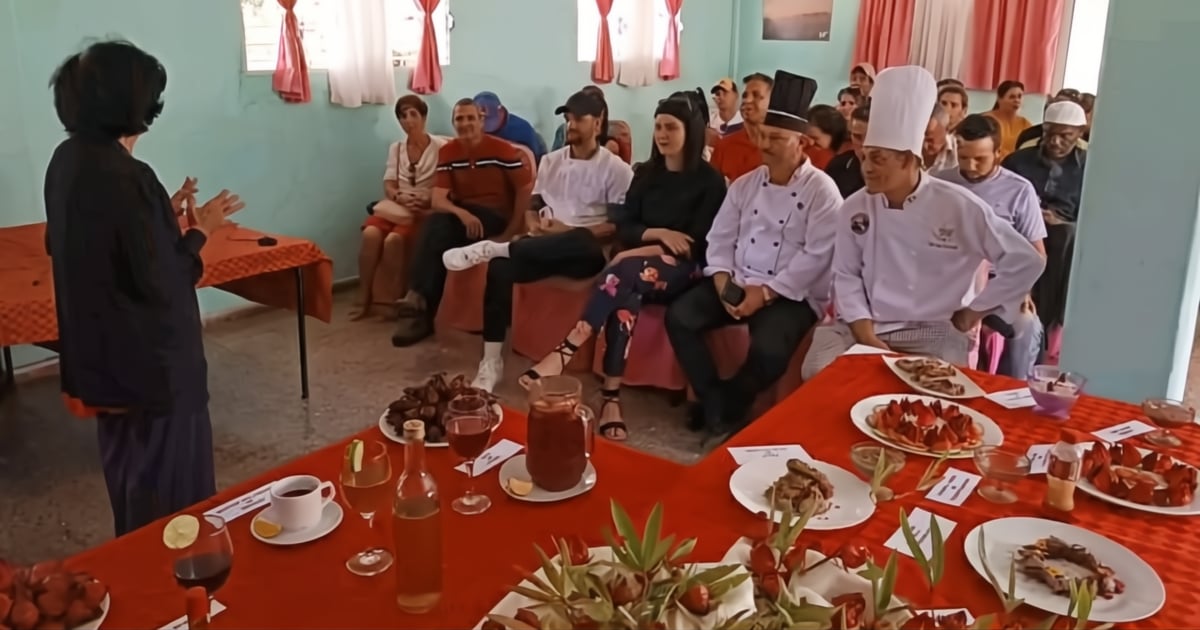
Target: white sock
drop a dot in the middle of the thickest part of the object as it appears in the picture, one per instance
(493, 349)
(500, 250)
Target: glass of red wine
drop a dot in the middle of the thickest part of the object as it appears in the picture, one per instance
(206, 563)
(469, 423)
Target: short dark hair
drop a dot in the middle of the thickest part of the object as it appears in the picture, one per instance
(111, 90)
(977, 127)
(944, 82)
(1087, 101)
(831, 121)
(1004, 88)
(852, 90)
(862, 113)
(411, 101)
(758, 76)
(955, 89)
(463, 102)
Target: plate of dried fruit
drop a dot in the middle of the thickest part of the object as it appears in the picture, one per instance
(837, 497)
(428, 403)
(925, 425)
(1141, 479)
(933, 376)
(48, 595)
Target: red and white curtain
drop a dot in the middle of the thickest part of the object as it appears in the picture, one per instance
(290, 80)
(602, 67)
(939, 36)
(1014, 39)
(427, 76)
(668, 66)
(885, 30)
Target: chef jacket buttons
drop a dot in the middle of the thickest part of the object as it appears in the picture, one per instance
(764, 184)
(799, 205)
(770, 273)
(752, 241)
(756, 211)
(794, 193)
(776, 244)
(781, 222)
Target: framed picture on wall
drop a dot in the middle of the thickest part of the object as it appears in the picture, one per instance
(797, 20)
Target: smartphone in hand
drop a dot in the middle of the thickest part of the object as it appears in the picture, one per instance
(733, 294)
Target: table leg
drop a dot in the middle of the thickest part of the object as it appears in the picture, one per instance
(10, 369)
(300, 331)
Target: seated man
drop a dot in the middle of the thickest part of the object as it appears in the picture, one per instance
(736, 154)
(725, 116)
(480, 183)
(574, 186)
(846, 168)
(407, 187)
(1015, 201)
(1032, 136)
(500, 122)
(610, 132)
(909, 245)
(938, 152)
(862, 76)
(769, 254)
(954, 100)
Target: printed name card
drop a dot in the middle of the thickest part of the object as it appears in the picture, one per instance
(499, 452)
(214, 607)
(745, 454)
(1039, 456)
(919, 521)
(860, 348)
(242, 505)
(1013, 398)
(954, 488)
(1119, 432)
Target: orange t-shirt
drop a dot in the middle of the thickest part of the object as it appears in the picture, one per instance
(735, 155)
(487, 174)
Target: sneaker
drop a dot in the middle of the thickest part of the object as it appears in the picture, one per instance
(490, 373)
(460, 258)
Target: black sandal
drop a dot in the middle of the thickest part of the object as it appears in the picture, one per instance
(611, 397)
(565, 351)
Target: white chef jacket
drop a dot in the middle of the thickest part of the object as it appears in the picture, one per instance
(778, 236)
(578, 192)
(900, 268)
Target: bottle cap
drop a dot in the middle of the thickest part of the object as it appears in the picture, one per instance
(197, 604)
(1068, 436)
(414, 429)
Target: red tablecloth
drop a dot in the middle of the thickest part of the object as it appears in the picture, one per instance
(233, 261)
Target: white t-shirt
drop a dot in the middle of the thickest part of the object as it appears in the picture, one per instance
(577, 192)
(414, 178)
(724, 128)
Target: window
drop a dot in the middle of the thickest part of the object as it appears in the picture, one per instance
(1085, 44)
(261, 20)
(618, 20)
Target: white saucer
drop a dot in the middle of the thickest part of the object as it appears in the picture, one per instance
(515, 467)
(331, 517)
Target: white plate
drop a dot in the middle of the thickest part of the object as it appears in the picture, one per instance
(515, 467)
(391, 434)
(735, 601)
(970, 389)
(1191, 509)
(95, 623)
(860, 415)
(331, 517)
(1144, 593)
(852, 503)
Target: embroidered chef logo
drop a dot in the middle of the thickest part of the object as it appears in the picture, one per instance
(859, 223)
(943, 238)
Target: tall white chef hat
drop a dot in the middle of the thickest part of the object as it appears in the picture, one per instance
(901, 104)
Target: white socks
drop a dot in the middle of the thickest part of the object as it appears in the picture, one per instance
(493, 349)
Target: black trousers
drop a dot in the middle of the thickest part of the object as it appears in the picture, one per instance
(440, 232)
(776, 330)
(155, 465)
(575, 254)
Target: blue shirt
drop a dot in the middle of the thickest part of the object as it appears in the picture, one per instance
(518, 130)
(1010, 195)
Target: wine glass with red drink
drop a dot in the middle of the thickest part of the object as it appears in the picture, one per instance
(469, 423)
(207, 562)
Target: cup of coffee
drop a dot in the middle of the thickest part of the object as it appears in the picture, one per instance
(298, 501)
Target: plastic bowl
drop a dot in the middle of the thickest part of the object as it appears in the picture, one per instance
(1055, 390)
(865, 455)
(1166, 412)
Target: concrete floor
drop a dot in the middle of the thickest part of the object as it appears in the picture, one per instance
(52, 497)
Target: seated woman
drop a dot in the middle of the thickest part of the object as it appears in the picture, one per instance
(609, 138)
(668, 211)
(828, 133)
(849, 98)
(1007, 114)
(407, 187)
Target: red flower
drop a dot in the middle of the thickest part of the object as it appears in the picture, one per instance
(850, 609)
(771, 585)
(796, 557)
(762, 559)
(853, 555)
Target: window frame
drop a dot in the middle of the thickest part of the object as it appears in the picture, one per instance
(660, 27)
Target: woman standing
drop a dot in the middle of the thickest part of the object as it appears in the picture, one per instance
(1007, 113)
(407, 188)
(125, 286)
(667, 214)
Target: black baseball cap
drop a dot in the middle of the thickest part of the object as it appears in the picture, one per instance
(581, 104)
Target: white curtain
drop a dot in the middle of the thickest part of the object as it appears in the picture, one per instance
(633, 49)
(939, 36)
(360, 57)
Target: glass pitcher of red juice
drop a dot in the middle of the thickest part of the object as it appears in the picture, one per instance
(559, 433)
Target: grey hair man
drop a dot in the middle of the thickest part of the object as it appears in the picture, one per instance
(939, 151)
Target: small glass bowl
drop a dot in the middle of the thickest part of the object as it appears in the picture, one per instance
(1001, 470)
(1168, 414)
(1055, 390)
(865, 456)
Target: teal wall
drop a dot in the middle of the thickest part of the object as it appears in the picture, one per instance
(304, 170)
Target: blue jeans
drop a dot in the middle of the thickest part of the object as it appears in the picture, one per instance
(1021, 352)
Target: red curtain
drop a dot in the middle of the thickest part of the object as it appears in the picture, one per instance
(602, 67)
(884, 32)
(668, 67)
(427, 77)
(291, 68)
(1014, 39)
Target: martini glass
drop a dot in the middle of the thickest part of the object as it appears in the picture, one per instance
(1167, 414)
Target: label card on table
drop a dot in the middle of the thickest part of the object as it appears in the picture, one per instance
(954, 488)
(1039, 456)
(1013, 398)
(942, 612)
(498, 453)
(1119, 432)
(214, 607)
(919, 521)
(242, 505)
(744, 454)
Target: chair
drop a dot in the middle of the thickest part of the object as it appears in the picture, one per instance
(462, 301)
(623, 134)
(544, 312)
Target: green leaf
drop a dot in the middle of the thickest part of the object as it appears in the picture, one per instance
(914, 546)
(887, 585)
(683, 549)
(619, 552)
(708, 576)
(938, 546)
(532, 578)
(599, 610)
(872, 572)
(625, 529)
(1010, 595)
(660, 551)
(985, 622)
(534, 594)
(553, 575)
(718, 589)
(650, 537)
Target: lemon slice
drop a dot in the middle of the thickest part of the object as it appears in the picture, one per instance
(354, 455)
(520, 487)
(265, 528)
(181, 532)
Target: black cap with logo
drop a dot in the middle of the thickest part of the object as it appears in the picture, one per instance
(581, 104)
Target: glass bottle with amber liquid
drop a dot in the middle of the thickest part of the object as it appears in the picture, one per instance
(417, 528)
(1063, 469)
